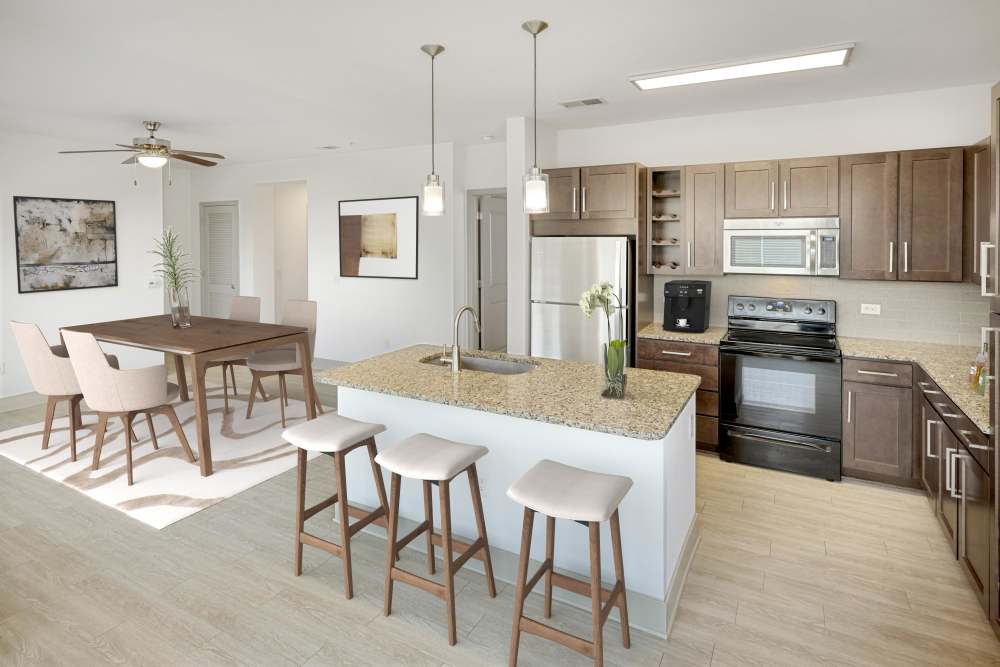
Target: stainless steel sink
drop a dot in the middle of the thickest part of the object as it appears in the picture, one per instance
(484, 364)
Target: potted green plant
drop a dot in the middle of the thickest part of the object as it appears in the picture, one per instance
(177, 274)
(601, 295)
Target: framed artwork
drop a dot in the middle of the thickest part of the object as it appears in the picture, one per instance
(64, 244)
(378, 238)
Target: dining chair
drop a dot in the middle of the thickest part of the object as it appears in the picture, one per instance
(241, 309)
(122, 393)
(285, 361)
(52, 376)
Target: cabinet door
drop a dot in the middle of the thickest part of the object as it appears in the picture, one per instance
(947, 508)
(751, 189)
(975, 207)
(564, 195)
(877, 432)
(869, 198)
(810, 187)
(974, 524)
(930, 215)
(930, 450)
(703, 214)
(608, 192)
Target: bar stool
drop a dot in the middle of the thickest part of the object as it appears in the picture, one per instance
(435, 461)
(589, 498)
(336, 436)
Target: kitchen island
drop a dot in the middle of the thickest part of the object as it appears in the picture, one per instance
(527, 409)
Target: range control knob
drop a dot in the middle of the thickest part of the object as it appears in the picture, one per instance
(821, 311)
(752, 307)
(770, 306)
(739, 306)
(807, 310)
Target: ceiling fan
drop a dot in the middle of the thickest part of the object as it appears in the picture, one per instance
(154, 152)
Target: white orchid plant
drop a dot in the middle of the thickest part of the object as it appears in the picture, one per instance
(602, 295)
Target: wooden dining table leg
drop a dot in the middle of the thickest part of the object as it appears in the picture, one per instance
(305, 354)
(181, 376)
(201, 415)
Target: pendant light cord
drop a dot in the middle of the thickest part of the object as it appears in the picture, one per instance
(534, 83)
(432, 116)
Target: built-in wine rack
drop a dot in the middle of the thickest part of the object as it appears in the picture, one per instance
(664, 223)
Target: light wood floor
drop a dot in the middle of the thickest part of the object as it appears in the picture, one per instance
(790, 571)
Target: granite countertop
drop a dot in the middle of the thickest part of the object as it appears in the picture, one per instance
(655, 331)
(555, 391)
(948, 366)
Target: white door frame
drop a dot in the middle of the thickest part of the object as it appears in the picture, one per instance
(203, 245)
(472, 252)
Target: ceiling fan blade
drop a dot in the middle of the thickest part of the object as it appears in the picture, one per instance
(191, 159)
(133, 148)
(103, 150)
(131, 160)
(198, 153)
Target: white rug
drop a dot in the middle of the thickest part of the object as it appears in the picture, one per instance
(167, 486)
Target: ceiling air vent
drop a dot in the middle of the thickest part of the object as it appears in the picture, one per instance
(588, 102)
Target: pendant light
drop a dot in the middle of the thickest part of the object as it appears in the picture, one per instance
(433, 188)
(536, 184)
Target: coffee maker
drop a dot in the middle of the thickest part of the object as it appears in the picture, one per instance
(686, 305)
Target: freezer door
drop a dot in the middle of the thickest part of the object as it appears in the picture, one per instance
(562, 268)
(560, 331)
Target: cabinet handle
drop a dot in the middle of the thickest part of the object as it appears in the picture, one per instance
(583, 199)
(929, 455)
(949, 415)
(954, 457)
(933, 392)
(892, 254)
(964, 435)
(574, 200)
(850, 396)
(949, 471)
(676, 354)
(906, 256)
(772, 195)
(879, 373)
(984, 268)
(689, 254)
(784, 188)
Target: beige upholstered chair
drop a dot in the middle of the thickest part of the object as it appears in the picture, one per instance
(52, 376)
(284, 361)
(242, 309)
(121, 393)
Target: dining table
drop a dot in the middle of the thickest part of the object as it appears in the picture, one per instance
(207, 339)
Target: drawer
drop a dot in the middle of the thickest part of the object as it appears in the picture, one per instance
(706, 432)
(707, 403)
(709, 374)
(669, 350)
(974, 440)
(889, 373)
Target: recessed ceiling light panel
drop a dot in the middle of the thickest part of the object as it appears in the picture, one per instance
(831, 56)
(586, 102)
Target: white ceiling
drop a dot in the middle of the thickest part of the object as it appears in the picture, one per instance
(264, 80)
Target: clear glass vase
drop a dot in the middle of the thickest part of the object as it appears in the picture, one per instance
(615, 355)
(180, 307)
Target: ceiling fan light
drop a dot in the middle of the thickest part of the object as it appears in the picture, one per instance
(152, 161)
(433, 196)
(536, 191)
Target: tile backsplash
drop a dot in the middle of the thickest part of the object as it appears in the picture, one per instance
(949, 313)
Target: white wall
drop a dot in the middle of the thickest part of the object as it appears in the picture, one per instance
(291, 243)
(30, 165)
(358, 317)
(177, 215)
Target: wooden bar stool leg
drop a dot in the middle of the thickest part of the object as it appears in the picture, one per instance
(522, 579)
(616, 546)
(595, 592)
(102, 427)
(300, 506)
(345, 528)
(393, 523)
(550, 545)
(377, 474)
(477, 506)
(429, 515)
(447, 556)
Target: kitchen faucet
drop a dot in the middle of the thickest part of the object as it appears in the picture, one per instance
(456, 357)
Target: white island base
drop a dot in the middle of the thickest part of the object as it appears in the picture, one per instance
(657, 515)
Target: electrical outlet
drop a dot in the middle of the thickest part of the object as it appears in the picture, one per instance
(871, 309)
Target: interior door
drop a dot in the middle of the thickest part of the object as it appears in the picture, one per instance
(975, 524)
(930, 214)
(493, 273)
(810, 187)
(219, 257)
(869, 215)
(608, 192)
(751, 189)
(564, 195)
(704, 209)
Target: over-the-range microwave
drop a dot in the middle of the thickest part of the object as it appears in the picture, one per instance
(782, 246)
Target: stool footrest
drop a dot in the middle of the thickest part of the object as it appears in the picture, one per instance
(456, 545)
(547, 565)
(370, 516)
(614, 600)
(577, 586)
(412, 535)
(418, 581)
(471, 551)
(578, 644)
(320, 543)
(319, 507)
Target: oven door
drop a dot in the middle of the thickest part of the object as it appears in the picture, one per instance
(792, 393)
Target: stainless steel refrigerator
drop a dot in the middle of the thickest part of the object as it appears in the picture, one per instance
(562, 268)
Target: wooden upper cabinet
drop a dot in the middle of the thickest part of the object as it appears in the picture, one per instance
(809, 187)
(751, 189)
(608, 192)
(877, 430)
(975, 207)
(564, 195)
(704, 205)
(869, 194)
(930, 215)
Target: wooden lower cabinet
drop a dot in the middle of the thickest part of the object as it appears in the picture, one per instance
(947, 505)
(930, 449)
(877, 434)
(975, 514)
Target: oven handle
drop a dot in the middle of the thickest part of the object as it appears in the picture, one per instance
(780, 441)
(781, 355)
